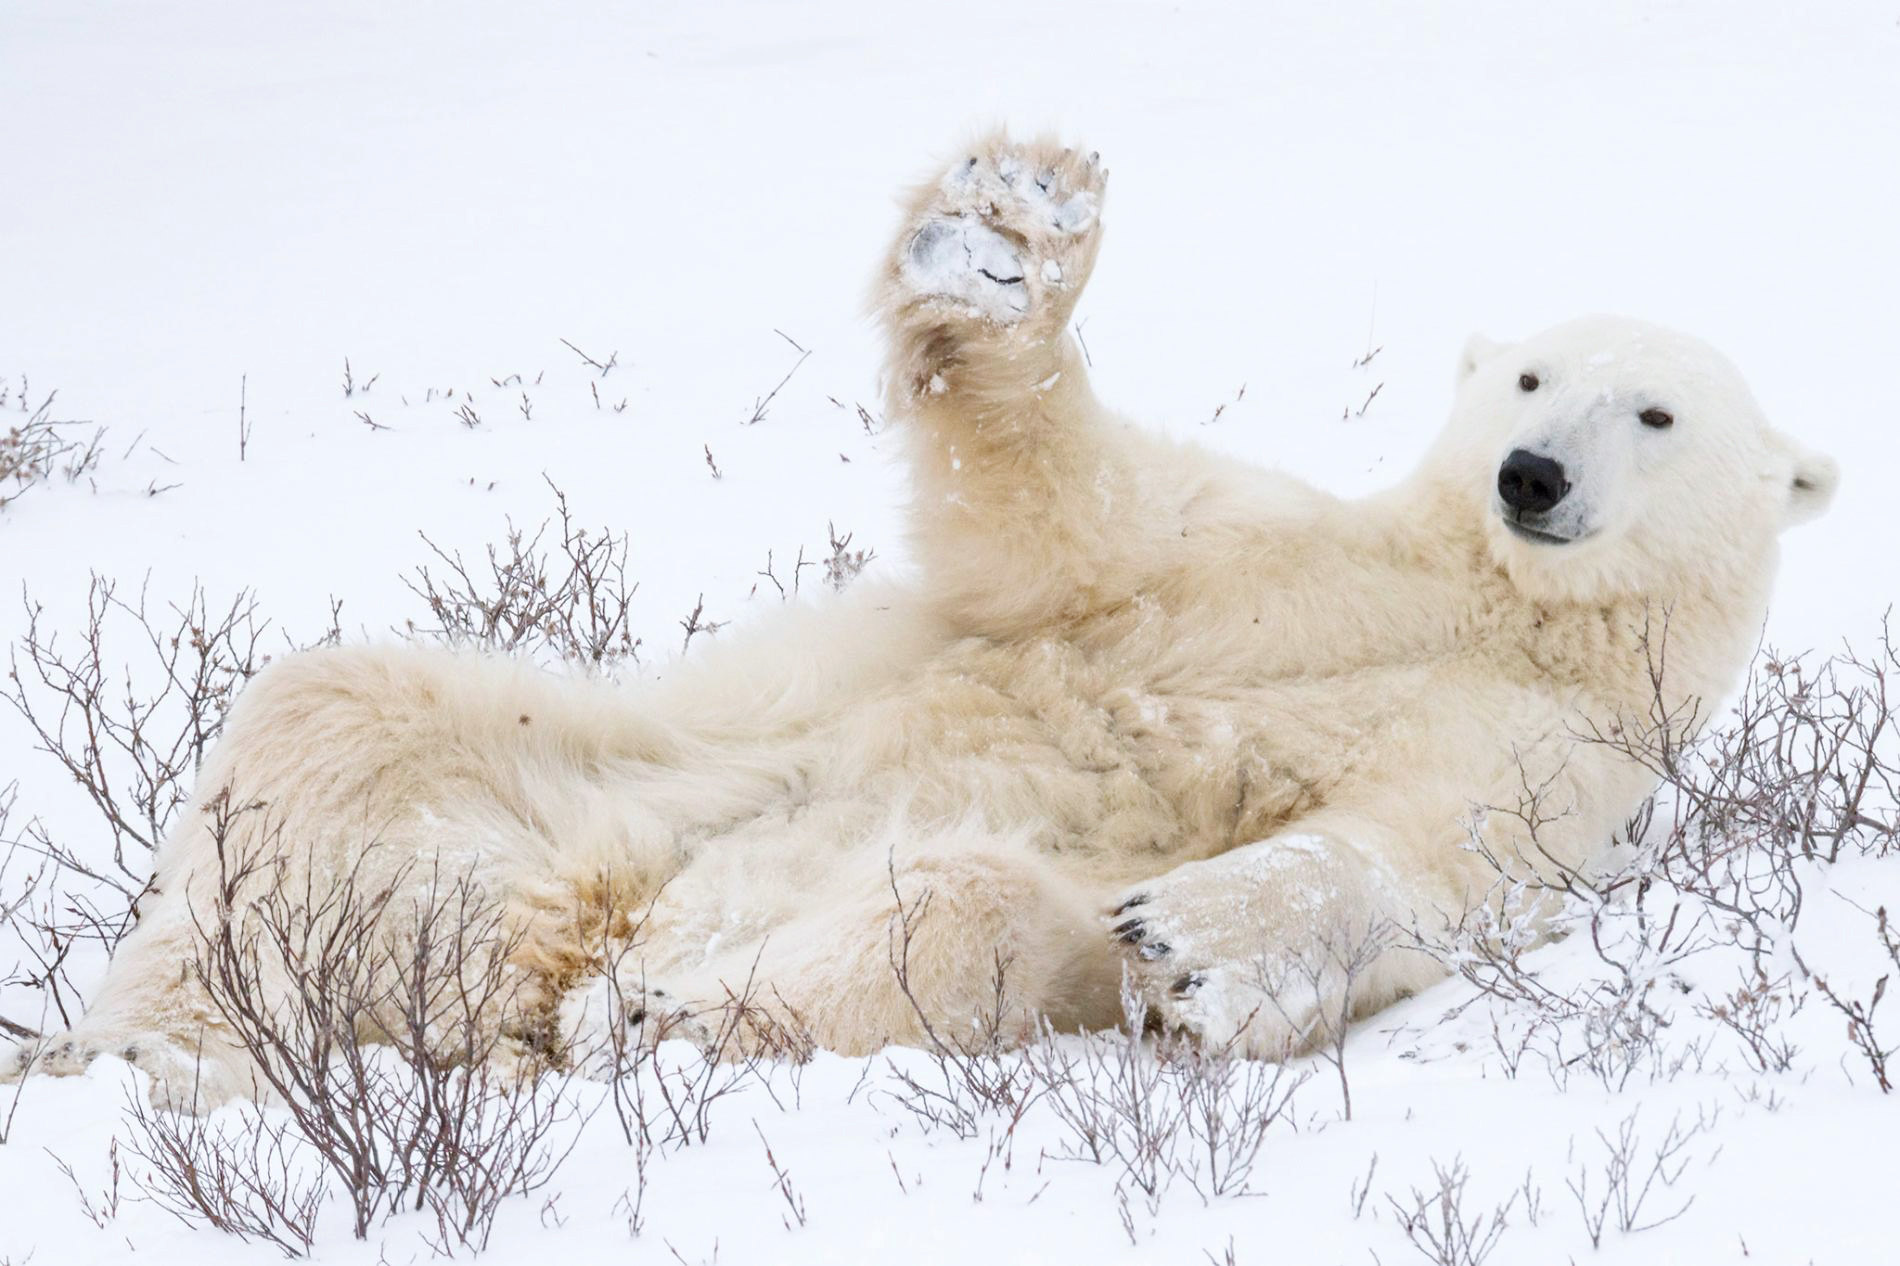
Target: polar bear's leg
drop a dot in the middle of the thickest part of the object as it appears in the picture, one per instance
(927, 931)
(1274, 946)
(151, 1013)
(1022, 483)
(413, 771)
(151, 1009)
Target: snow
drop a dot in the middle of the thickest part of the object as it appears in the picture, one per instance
(962, 258)
(212, 202)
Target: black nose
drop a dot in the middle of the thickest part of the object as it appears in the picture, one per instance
(1531, 483)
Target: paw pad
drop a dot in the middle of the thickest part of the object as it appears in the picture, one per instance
(961, 258)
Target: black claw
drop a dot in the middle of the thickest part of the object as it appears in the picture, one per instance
(1185, 985)
(1154, 950)
(1130, 932)
(1139, 899)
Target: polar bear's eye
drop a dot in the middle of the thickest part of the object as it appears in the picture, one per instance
(1656, 418)
(1527, 382)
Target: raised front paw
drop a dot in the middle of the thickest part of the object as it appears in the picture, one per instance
(1007, 234)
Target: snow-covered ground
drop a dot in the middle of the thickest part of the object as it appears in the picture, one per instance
(213, 203)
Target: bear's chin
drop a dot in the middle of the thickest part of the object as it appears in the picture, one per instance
(1537, 536)
(1546, 567)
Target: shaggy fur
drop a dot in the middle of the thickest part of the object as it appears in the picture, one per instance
(1245, 715)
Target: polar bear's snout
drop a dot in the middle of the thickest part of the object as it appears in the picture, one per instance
(1530, 487)
(1531, 483)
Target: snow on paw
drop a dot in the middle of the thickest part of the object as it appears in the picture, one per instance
(1183, 962)
(1237, 948)
(643, 1014)
(1007, 234)
(1034, 190)
(65, 1056)
(961, 258)
(180, 1079)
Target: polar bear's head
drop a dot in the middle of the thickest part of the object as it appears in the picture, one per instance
(1612, 457)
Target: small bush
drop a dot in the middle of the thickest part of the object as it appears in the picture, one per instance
(569, 604)
(37, 448)
(377, 1014)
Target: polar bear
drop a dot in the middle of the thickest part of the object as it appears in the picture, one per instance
(1145, 718)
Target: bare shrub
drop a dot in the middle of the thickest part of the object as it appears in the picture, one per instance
(844, 564)
(304, 970)
(17, 893)
(1328, 971)
(666, 1097)
(973, 1073)
(1435, 1222)
(1161, 1109)
(38, 447)
(29, 1057)
(762, 405)
(21, 873)
(1803, 773)
(1804, 769)
(632, 1202)
(101, 1207)
(239, 1172)
(799, 565)
(128, 710)
(568, 602)
(1154, 1110)
(1754, 1011)
(688, 1088)
(1362, 1187)
(1615, 1190)
(1679, 890)
(133, 749)
(782, 1182)
(871, 423)
(1229, 1106)
(1611, 1023)
(1860, 1015)
(603, 368)
(1117, 1102)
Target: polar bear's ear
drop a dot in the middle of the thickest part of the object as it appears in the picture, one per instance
(1811, 484)
(1478, 349)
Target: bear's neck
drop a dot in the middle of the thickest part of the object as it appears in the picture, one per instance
(1680, 647)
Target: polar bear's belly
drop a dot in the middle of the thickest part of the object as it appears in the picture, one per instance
(1072, 756)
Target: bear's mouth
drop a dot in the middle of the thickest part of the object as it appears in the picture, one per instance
(1525, 531)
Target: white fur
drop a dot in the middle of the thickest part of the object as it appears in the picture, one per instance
(1131, 674)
